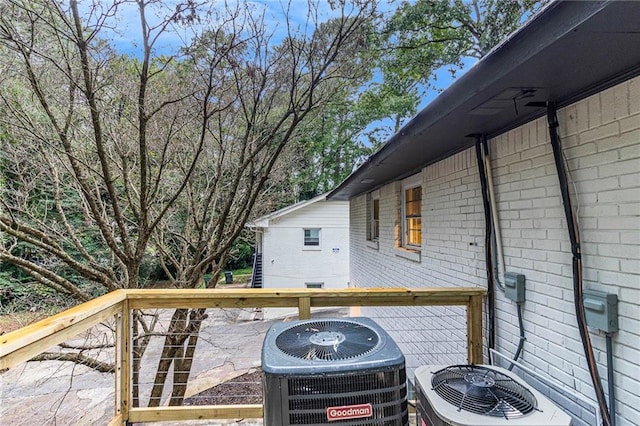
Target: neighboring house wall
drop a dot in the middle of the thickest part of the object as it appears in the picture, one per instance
(601, 141)
(287, 263)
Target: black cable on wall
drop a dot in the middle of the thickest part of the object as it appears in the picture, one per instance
(574, 238)
(481, 142)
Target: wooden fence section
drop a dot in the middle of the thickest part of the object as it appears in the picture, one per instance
(21, 345)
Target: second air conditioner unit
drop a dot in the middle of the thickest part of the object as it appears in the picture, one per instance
(479, 395)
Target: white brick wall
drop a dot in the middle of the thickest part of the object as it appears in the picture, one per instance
(601, 141)
(450, 201)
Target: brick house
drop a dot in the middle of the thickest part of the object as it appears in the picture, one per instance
(480, 157)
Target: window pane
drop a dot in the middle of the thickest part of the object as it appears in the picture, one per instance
(312, 237)
(414, 231)
(413, 201)
(375, 231)
(412, 220)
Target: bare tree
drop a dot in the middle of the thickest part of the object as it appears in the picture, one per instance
(110, 159)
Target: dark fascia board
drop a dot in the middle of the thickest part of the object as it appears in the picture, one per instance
(533, 56)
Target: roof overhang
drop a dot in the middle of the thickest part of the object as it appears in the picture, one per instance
(567, 52)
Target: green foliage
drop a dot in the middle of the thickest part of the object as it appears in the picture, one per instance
(240, 257)
(241, 253)
(345, 133)
(425, 35)
(22, 294)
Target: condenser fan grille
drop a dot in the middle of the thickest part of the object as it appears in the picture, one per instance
(327, 340)
(482, 390)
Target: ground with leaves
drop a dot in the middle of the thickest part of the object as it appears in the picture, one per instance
(245, 389)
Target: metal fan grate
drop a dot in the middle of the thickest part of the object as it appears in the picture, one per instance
(327, 340)
(482, 390)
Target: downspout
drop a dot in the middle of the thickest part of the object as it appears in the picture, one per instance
(574, 238)
(487, 243)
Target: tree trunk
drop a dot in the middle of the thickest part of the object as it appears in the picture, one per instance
(182, 365)
(174, 339)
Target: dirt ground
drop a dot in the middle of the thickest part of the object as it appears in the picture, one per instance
(245, 389)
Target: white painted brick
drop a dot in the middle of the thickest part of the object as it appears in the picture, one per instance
(548, 223)
(630, 123)
(619, 279)
(557, 212)
(599, 159)
(630, 266)
(533, 193)
(583, 174)
(595, 111)
(618, 168)
(621, 100)
(558, 257)
(601, 262)
(630, 152)
(600, 132)
(582, 116)
(568, 120)
(533, 173)
(550, 245)
(587, 222)
(618, 141)
(604, 210)
(575, 150)
(607, 105)
(620, 222)
(634, 96)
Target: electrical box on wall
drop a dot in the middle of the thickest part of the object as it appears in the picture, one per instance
(514, 286)
(601, 310)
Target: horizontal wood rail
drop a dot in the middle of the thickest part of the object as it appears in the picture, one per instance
(23, 344)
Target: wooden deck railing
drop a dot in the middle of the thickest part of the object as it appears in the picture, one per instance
(23, 344)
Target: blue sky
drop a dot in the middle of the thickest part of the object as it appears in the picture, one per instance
(125, 33)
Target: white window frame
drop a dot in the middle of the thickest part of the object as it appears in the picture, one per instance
(410, 183)
(311, 246)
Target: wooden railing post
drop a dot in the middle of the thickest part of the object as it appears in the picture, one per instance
(474, 329)
(304, 308)
(125, 362)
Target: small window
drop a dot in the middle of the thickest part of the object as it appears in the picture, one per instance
(375, 216)
(312, 237)
(412, 214)
(314, 285)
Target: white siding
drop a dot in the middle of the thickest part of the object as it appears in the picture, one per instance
(287, 263)
(601, 141)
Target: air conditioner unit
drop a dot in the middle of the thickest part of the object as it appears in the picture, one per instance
(473, 395)
(345, 371)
